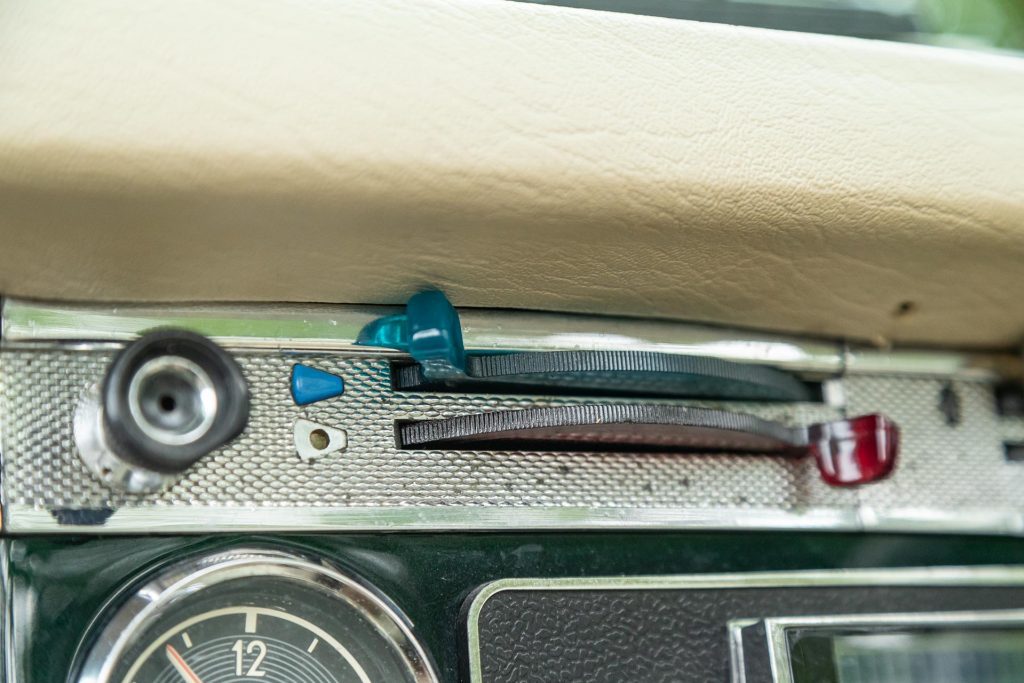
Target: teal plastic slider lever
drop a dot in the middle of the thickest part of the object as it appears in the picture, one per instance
(430, 331)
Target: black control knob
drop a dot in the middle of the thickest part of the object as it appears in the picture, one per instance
(171, 397)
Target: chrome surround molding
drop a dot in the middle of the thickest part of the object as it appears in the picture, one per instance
(737, 663)
(266, 331)
(25, 519)
(8, 672)
(944, 576)
(144, 605)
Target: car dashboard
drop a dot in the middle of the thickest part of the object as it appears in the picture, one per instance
(479, 341)
(583, 499)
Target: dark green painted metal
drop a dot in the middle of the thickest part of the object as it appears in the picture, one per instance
(60, 583)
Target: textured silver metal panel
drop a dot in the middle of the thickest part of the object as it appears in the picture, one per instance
(40, 389)
(959, 470)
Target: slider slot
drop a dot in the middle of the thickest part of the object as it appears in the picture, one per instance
(849, 452)
(613, 374)
(619, 428)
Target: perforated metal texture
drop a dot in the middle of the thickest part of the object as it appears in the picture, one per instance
(941, 466)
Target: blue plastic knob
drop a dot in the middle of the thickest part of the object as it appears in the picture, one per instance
(310, 385)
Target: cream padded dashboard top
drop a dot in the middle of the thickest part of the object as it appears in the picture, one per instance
(514, 155)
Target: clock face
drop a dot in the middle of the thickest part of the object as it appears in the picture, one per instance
(245, 642)
(265, 622)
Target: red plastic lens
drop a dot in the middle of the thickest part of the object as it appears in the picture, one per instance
(856, 451)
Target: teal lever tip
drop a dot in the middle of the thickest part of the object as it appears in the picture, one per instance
(430, 331)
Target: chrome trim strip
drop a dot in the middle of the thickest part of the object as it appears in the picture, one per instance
(146, 604)
(8, 660)
(912, 520)
(736, 660)
(931, 363)
(23, 519)
(524, 331)
(269, 326)
(206, 519)
(335, 327)
(775, 628)
(923, 576)
(330, 327)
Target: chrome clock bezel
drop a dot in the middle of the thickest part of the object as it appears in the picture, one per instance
(121, 623)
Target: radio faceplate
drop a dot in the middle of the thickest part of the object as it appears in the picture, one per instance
(695, 628)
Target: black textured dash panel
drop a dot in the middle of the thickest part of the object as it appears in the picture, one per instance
(672, 635)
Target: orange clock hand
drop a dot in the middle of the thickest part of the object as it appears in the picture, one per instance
(180, 666)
